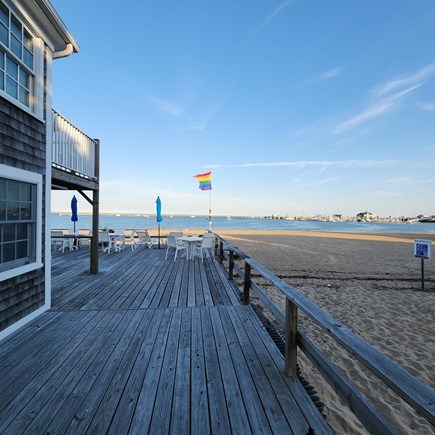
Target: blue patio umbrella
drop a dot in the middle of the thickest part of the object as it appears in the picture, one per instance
(74, 216)
(159, 214)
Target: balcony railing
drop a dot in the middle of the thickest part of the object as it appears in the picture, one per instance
(73, 151)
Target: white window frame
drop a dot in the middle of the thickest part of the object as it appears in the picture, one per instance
(36, 179)
(36, 96)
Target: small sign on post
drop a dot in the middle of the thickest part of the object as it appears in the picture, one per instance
(422, 250)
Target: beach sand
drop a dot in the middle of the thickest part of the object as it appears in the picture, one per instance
(372, 284)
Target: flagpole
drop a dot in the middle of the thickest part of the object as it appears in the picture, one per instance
(209, 211)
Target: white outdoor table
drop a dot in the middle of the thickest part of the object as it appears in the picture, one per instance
(190, 241)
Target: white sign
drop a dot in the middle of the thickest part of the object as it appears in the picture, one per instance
(422, 248)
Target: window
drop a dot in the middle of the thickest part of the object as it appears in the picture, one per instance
(16, 57)
(20, 221)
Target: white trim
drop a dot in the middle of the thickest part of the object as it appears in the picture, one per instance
(41, 17)
(37, 94)
(20, 270)
(48, 170)
(22, 322)
(33, 178)
(22, 106)
(20, 174)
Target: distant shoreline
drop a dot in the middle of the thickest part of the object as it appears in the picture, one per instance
(328, 218)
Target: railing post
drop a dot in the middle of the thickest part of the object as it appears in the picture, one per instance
(221, 252)
(95, 212)
(291, 332)
(231, 266)
(246, 284)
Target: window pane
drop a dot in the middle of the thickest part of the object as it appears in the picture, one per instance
(16, 27)
(22, 249)
(26, 211)
(24, 96)
(2, 188)
(24, 79)
(28, 58)
(22, 231)
(4, 35)
(4, 15)
(11, 68)
(13, 190)
(8, 252)
(2, 210)
(2, 60)
(12, 210)
(8, 233)
(11, 87)
(27, 41)
(16, 46)
(25, 192)
(2, 81)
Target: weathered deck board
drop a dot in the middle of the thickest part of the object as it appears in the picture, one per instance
(147, 346)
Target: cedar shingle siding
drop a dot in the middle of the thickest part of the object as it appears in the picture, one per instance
(23, 146)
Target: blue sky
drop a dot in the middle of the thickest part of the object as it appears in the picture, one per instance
(297, 107)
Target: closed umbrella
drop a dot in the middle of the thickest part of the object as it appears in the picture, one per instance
(159, 214)
(74, 216)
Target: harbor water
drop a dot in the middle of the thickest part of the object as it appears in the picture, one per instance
(235, 223)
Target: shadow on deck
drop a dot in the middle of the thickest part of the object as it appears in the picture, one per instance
(147, 346)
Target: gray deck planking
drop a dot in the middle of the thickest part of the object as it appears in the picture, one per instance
(147, 346)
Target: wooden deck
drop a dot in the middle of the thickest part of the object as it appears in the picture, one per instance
(147, 346)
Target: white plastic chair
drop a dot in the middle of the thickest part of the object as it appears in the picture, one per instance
(175, 244)
(59, 243)
(207, 244)
(118, 238)
(144, 238)
(131, 240)
(85, 241)
(105, 241)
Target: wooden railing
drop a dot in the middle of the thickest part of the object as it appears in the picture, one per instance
(73, 151)
(416, 393)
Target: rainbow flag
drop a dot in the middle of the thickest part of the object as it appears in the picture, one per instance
(204, 180)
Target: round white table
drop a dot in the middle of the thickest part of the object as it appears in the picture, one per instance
(189, 242)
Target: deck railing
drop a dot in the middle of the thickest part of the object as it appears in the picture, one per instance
(414, 392)
(73, 151)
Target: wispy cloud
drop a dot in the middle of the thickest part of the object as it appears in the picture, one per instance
(408, 180)
(327, 75)
(388, 95)
(312, 163)
(417, 78)
(374, 111)
(196, 127)
(167, 106)
(325, 181)
(428, 107)
(331, 73)
(276, 12)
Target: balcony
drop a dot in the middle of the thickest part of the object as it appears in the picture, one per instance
(75, 157)
(75, 165)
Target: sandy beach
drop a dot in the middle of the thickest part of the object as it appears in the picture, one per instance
(371, 283)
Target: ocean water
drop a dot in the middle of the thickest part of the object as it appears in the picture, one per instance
(235, 223)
